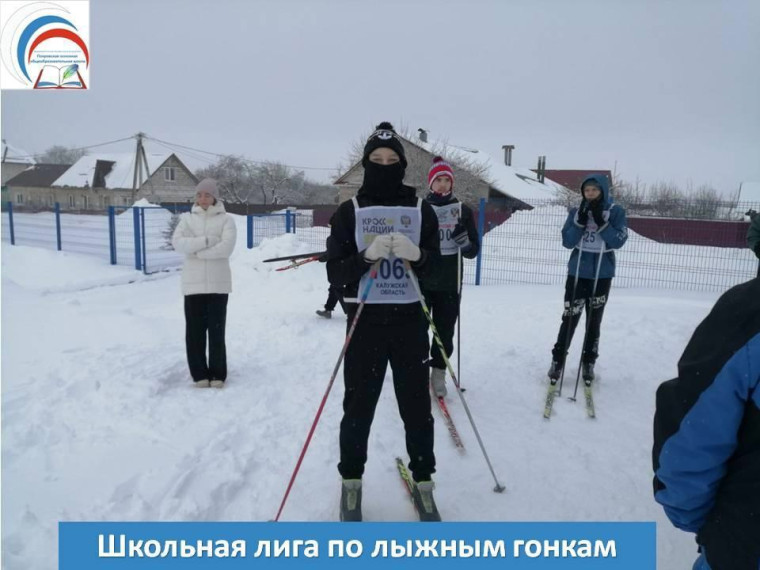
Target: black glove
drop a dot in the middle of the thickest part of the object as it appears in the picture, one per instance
(597, 211)
(757, 250)
(583, 213)
(459, 235)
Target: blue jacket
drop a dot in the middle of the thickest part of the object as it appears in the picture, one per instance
(706, 452)
(614, 233)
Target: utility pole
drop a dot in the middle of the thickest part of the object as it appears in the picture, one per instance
(140, 161)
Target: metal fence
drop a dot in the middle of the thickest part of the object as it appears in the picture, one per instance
(138, 236)
(671, 253)
(660, 252)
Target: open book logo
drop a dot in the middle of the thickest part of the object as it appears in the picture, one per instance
(52, 77)
(44, 45)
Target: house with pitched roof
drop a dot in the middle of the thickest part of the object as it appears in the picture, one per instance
(97, 181)
(13, 161)
(478, 175)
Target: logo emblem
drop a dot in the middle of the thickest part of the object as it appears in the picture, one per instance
(44, 45)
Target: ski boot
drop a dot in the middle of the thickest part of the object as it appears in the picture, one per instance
(587, 371)
(555, 371)
(438, 380)
(422, 495)
(351, 500)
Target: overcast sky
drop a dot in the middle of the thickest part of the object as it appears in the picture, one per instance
(662, 90)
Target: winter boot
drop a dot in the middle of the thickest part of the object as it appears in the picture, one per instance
(555, 371)
(351, 500)
(438, 380)
(217, 384)
(201, 384)
(422, 495)
(587, 371)
(325, 314)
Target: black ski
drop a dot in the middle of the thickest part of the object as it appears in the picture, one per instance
(316, 254)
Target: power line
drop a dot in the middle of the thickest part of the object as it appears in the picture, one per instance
(73, 149)
(244, 159)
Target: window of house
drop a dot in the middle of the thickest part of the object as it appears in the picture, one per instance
(105, 201)
(125, 201)
(72, 202)
(84, 202)
(50, 201)
(169, 174)
(19, 198)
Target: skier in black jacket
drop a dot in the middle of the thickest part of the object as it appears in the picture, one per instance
(706, 451)
(459, 238)
(387, 224)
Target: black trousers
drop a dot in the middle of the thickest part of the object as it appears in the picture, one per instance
(594, 308)
(334, 295)
(371, 348)
(206, 313)
(444, 307)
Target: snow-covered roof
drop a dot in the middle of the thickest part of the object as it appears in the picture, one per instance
(520, 183)
(121, 175)
(16, 155)
(749, 192)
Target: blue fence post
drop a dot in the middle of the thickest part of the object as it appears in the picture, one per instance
(58, 225)
(249, 227)
(112, 232)
(144, 249)
(287, 222)
(136, 224)
(10, 226)
(481, 232)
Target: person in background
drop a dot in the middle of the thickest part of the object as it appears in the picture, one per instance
(706, 452)
(458, 238)
(598, 227)
(334, 294)
(206, 236)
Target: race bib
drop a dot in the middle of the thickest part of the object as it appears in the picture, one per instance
(392, 284)
(448, 216)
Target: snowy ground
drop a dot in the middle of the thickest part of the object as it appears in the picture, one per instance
(100, 422)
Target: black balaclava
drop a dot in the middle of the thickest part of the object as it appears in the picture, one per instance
(383, 181)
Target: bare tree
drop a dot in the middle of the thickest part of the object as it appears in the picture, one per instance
(235, 176)
(59, 154)
(242, 181)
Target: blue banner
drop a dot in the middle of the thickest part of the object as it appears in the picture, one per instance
(528, 546)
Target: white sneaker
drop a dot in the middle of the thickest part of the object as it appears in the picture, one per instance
(438, 380)
(217, 383)
(201, 384)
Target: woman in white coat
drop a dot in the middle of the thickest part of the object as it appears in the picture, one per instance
(206, 236)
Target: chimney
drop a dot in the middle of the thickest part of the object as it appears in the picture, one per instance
(422, 135)
(541, 170)
(508, 148)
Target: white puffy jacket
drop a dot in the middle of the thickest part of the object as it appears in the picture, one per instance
(207, 238)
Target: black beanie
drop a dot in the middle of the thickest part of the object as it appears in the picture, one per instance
(384, 136)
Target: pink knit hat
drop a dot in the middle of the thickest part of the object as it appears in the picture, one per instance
(440, 168)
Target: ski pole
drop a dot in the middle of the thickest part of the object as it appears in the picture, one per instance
(568, 332)
(413, 278)
(459, 315)
(588, 320)
(365, 294)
